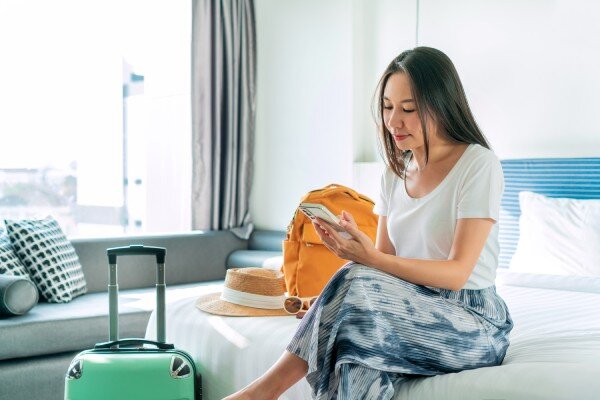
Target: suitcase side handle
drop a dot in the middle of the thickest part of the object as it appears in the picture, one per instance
(135, 250)
(113, 287)
(133, 342)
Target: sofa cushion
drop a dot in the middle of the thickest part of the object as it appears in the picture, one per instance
(197, 256)
(80, 324)
(49, 257)
(269, 240)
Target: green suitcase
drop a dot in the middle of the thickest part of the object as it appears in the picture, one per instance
(126, 369)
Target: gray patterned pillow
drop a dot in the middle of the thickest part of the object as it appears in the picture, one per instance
(9, 262)
(49, 258)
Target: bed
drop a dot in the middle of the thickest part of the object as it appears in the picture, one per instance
(555, 345)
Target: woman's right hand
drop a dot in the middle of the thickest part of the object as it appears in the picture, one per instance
(359, 247)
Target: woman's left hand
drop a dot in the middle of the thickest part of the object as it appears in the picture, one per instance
(358, 248)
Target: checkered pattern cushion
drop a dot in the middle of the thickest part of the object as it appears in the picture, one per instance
(49, 258)
(9, 262)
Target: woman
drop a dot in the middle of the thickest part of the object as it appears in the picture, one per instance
(422, 300)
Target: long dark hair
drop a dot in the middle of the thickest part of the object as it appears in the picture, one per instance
(438, 94)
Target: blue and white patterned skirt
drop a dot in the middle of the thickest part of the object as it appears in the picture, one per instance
(369, 330)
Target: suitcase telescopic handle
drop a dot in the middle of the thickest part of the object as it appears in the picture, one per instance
(134, 342)
(113, 287)
(136, 250)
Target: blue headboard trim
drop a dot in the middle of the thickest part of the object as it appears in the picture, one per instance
(576, 178)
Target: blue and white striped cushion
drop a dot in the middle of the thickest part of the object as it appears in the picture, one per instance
(576, 178)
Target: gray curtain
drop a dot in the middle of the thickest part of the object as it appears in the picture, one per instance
(223, 114)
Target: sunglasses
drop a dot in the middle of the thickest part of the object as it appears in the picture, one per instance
(294, 304)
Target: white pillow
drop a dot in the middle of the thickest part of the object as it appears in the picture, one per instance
(558, 236)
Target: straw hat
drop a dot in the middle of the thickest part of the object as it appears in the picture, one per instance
(248, 292)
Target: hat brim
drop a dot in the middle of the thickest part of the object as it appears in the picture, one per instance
(212, 303)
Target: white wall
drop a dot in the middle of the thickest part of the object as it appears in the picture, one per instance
(530, 70)
(382, 29)
(304, 104)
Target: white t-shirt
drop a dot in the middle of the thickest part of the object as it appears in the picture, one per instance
(423, 228)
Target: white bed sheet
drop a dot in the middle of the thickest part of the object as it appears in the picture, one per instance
(554, 351)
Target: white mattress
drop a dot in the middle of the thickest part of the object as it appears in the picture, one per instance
(554, 351)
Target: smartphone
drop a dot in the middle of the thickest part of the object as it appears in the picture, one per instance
(315, 210)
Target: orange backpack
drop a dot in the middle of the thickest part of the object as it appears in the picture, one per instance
(307, 263)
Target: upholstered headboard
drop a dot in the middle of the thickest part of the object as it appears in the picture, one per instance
(576, 178)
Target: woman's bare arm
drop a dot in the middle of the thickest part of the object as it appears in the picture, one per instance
(383, 242)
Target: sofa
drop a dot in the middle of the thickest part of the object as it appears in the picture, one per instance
(37, 348)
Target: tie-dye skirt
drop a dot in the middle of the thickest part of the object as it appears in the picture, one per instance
(370, 330)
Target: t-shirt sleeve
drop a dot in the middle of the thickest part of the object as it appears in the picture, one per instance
(381, 203)
(481, 190)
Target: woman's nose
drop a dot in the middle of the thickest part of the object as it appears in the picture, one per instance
(395, 121)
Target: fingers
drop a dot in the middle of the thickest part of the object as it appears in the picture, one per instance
(326, 233)
(319, 227)
(329, 230)
(348, 217)
(322, 230)
(335, 235)
(347, 221)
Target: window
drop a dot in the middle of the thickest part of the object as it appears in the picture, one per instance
(95, 110)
